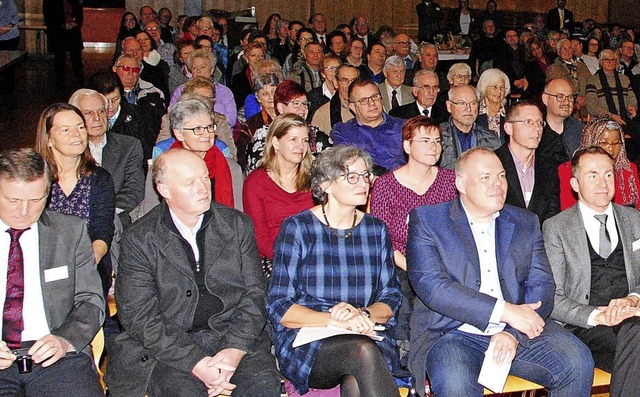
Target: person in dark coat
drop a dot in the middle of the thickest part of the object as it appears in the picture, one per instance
(64, 23)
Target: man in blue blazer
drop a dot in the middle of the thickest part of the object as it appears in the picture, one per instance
(481, 274)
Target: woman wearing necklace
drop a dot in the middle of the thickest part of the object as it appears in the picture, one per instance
(397, 193)
(279, 188)
(494, 87)
(333, 266)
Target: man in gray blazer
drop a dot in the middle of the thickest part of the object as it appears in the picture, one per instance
(594, 251)
(121, 155)
(49, 287)
(394, 70)
(191, 296)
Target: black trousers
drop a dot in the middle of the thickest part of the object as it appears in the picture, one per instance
(616, 350)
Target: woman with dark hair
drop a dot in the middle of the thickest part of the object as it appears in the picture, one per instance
(289, 97)
(419, 182)
(535, 69)
(79, 186)
(604, 132)
(190, 29)
(279, 47)
(591, 53)
(179, 72)
(337, 43)
(333, 267)
(304, 37)
(129, 27)
(279, 188)
(462, 19)
(270, 26)
(355, 52)
(346, 30)
(153, 60)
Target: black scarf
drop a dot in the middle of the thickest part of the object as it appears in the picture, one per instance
(609, 97)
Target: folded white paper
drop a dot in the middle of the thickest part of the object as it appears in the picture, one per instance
(312, 334)
(494, 376)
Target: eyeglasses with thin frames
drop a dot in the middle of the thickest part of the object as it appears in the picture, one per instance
(463, 104)
(297, 104)
(562, 97)
(530, 123)
(210, 129)
(370, 99)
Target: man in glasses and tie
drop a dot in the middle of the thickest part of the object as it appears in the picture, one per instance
(593, 251)
(426, 86)
(51, 295)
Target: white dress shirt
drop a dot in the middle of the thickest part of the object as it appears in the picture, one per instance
(33, 314)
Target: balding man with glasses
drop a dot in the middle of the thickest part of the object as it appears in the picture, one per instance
(461, 133)
(563, 132)
(372, 130)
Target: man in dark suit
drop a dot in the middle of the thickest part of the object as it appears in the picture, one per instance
(191, 296)
(124, 118)
(52, 303)
(532, 178)
(481, 275)
(425, 89)
(361, 29)
(429, 17)
(593, 251)
(560, 18)
(121, 155)
(64, 24)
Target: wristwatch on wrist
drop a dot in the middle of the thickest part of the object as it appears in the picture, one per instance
(365, 311)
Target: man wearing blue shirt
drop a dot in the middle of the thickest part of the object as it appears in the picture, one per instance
(372, 130)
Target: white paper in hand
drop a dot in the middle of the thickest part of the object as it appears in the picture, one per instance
(494, 376)
(312, 334)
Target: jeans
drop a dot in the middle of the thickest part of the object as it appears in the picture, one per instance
(557, 360)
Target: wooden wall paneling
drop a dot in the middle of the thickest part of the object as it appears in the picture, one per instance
(384, 13)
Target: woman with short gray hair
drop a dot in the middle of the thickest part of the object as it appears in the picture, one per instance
(333, 267)
(494, 87)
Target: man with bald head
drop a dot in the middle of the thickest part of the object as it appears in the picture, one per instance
(563, 132)
(402, 48)
(191, 295)
(461, 133)
(485, 285)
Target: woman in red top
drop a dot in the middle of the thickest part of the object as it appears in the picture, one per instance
(602, 131)
(280, 187)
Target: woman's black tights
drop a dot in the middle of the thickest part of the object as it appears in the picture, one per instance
(356, 364)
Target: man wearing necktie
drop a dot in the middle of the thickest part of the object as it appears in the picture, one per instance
(560, 18)
(50, 289)
(594, 251)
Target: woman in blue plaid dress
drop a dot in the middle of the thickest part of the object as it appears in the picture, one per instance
(333, 267)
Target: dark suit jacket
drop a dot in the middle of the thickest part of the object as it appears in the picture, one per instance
(545, 198)
(444, 269)
(567, 247)
(54, 18)
(157, 295)
(74, 305)
(439, 112)
(429, 17)
(134, 122)
(553, 19)
(122, 156)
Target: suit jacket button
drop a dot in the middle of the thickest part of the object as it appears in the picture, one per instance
(586, 297)
(144, 358)
(188, 293)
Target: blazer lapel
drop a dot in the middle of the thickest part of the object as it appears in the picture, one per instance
(514, 187)
(461, 228)
(504, 234)
(627, 237)
(540, 172)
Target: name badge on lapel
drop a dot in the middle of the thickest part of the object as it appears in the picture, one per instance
(635, 245)
(55, 274)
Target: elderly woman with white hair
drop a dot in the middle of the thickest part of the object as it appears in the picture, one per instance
(494, 87)
(459, 74)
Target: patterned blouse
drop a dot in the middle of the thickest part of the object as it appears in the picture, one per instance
(392, 202)
(316, 269)
(318, 141)
(494, 121)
